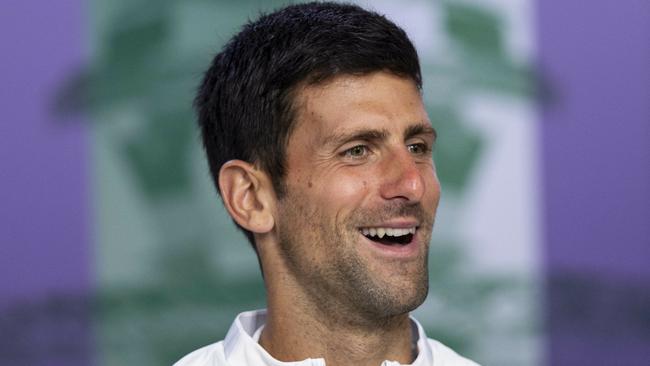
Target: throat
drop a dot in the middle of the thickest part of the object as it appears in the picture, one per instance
(340, 346)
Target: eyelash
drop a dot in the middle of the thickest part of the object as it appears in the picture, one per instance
(348, 152)
(425, 149)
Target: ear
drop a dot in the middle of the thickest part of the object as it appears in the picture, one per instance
(248, 195)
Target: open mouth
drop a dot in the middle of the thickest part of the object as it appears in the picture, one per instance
(389, 236)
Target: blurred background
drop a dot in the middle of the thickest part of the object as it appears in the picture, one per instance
(115, 249)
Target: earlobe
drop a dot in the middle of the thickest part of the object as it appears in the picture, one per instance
(246, 195)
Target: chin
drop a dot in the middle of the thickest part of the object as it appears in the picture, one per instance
(385, 304)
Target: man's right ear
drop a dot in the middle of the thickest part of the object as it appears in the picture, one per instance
(248, 195)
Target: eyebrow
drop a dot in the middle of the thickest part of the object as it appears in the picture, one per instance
(370, 134)
(363, 134)
(421, 129)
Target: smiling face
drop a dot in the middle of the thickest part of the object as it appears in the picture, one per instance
(361, 196)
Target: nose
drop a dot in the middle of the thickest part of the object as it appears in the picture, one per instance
(402, 179)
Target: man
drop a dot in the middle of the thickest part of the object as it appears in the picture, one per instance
(320, 146)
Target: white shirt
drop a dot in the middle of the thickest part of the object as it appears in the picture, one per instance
(241, 348)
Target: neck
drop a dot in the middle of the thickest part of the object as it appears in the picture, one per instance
(302, 323)
(297, 329)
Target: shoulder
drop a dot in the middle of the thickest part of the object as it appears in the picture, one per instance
(211, 355)
(445, 356)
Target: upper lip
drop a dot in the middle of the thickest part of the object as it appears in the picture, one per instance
(394, 224)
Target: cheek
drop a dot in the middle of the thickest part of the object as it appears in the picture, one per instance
(433, 187)
(346, 191)
(337, 196)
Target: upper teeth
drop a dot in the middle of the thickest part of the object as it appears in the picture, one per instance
(381, 231)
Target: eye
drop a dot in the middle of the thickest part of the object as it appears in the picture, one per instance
(358, 151)
(418, 149)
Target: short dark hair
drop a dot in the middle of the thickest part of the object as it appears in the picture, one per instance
(245, 101)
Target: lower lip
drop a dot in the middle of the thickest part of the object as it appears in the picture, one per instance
(396, 251)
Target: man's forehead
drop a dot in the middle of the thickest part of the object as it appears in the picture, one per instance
(347, 103)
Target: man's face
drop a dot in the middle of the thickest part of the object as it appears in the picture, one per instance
(361, 195)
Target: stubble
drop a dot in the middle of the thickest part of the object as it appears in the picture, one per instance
(323, 257)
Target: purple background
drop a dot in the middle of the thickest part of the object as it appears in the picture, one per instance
(45, 251)
(595, 134)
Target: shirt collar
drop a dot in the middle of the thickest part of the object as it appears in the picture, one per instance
(241, 349)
